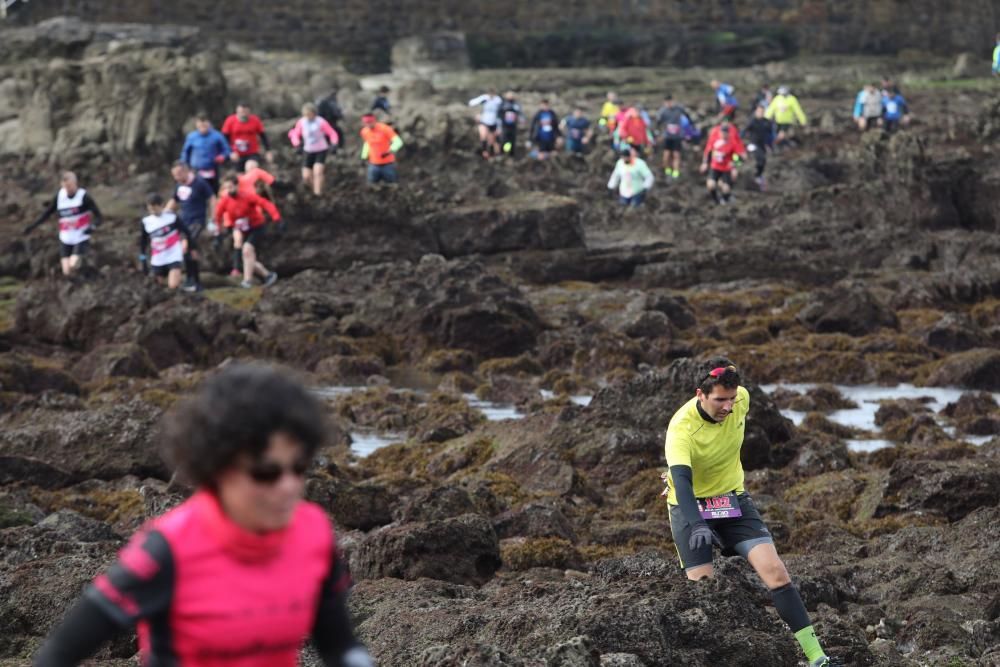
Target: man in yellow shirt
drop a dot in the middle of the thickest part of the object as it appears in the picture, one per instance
(609, 111)
(708, 503)
(785, 111)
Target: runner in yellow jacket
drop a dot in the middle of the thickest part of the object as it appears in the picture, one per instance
(785, 111)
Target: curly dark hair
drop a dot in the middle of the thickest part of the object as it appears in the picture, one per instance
(729, 378)
(236, 412)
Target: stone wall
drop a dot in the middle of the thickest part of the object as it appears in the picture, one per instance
(612, 32)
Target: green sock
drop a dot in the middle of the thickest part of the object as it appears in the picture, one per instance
(809, 643)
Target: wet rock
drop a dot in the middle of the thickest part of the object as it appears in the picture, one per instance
(446, 361)
(532, 221)
(361, 506)
(951, 489)
(341, 368)
(648, 324)
(32, 471)
(576, 652)
(461, 550)
(853, 310)
(821, 454)
(534, 520)
(955, 333)
(21, 374)
(973, 369)
(436, 504)
(105, 440)
(106, 361)
(676, 308)
(474, 655)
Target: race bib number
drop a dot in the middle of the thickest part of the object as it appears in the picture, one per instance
(243, 224)
(242, 145)
(673, 128)
(726, 506)
(891, 107)
(719, 156)
(183, 192)
(206, 173)
(510, 117)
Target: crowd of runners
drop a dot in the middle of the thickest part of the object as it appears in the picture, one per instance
(223, 190)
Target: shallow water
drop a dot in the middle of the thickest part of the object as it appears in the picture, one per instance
(867, 397)
(364, 443)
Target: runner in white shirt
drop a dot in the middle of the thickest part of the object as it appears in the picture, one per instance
(489, 122)
(161, 247)
(78, 214)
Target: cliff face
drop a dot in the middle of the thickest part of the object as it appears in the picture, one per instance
(617, 32)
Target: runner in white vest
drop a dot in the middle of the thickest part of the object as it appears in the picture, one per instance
(78, 214)
(160, 243)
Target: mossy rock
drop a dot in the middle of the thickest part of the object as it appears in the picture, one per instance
(526, 553)
(519, 366)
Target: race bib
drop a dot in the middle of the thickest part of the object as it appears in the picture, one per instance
(206, 173)
(719, 156)
(183, 192)
(242, 145)
(726, 506)
(673, 128)
(891, 107)
(243, 224)
(510, 117)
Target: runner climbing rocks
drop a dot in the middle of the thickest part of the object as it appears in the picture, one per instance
(785, 111)
(161, 248)
(722, 147)
(381, 143)
(632, 177)
(192, 195)
(488, 122)
(243, 211)
(314, 136)
(709, 503)
(78, 214)
(246, 135)
(670, 123)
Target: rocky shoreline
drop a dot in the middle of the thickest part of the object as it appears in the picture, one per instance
(541, 541)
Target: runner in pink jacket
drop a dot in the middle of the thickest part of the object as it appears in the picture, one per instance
(316, 138)
(244, 571)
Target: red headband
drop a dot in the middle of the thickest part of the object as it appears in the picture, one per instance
(716, 372)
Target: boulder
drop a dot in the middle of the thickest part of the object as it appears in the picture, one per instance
(437, 504)
(853, 310)
(534, 520)
(461, 550)
(648, 324)
(114, 360)
(22, 375)
(532, 221)
(973, 369)
(951, 489)
(955, 332)
(575, 652)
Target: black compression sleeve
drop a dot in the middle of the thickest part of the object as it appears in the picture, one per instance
(332, 633)
(91, 205)
(684, 490)
(264, 142)
(49, 210)
(78, 637)
(143, 239)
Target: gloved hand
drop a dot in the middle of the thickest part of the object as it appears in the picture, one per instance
(357, 657)
(701, 536)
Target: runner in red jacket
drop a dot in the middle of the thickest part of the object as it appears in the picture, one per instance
(246, 134)
(723, 145)
(243, 212)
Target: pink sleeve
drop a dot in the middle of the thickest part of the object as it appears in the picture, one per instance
(295, 134)
(329, 132)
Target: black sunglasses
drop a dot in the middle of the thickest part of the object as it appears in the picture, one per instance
(269, 472)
